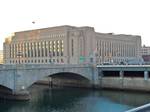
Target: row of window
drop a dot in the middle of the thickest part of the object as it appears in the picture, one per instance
(57, 35)
(111, 49)
(38, 61)
(37, 49)
(116, 60)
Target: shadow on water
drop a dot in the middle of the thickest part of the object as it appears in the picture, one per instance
(45, 99)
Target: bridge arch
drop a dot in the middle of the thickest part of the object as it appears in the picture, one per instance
(4, 89)
(35, 75)
(75, 75)
(65, 79)
(5, 86)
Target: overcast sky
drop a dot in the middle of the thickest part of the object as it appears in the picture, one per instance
(117, 16)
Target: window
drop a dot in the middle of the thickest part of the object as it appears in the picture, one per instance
(57, 60)
(46, 48)
(58, 47)
(32, 47)
(10, 52)
(72, 47)
(25, 49)
(39, 47)
(50, 61)
(35, 47)
(61, 48)
(42, 48)
(62, 61)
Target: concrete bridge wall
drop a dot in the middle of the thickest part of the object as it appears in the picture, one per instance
(7, 78)
(125, 84)
(18, 77)
(128, 77)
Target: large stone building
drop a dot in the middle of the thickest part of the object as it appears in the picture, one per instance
(69, 44)
(1, 56)
(145, 52)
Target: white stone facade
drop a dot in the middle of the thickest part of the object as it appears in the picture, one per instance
(69, 45)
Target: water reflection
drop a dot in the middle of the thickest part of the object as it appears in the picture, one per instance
(128, 98)
(45, 99)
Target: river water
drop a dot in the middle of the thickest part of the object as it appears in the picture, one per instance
(45, 99)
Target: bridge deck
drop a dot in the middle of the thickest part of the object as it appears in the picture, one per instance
(124, 67)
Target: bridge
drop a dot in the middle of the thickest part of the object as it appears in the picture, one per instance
(17, 78)
(123, 70)
(124, 77)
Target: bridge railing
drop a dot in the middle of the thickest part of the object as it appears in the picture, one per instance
(107, 66)
(29, 66)
(143, 108)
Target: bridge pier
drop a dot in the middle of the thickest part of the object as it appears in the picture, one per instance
(121, 74)
(146, 75)
(20, 95)
(95, 77)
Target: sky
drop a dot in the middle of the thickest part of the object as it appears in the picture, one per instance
(106, 16)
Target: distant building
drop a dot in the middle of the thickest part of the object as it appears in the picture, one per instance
(1, 56)
(145, 52)
(70, 45)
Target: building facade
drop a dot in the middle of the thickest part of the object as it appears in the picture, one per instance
(145, 52)
(70, 45)
(1, 56)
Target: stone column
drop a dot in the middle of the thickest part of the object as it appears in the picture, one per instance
(100, 77)
(100, 73)
(121, 74)
(95, 78)
(146, 75)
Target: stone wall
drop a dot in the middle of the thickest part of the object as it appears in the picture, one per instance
(126, 83)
